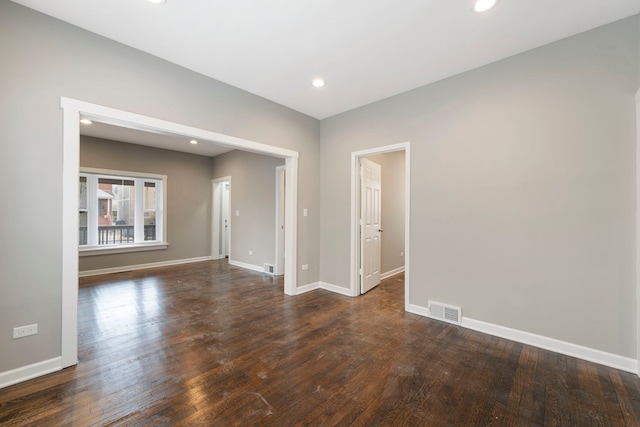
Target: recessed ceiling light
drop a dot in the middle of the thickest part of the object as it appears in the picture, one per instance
(193, 141)
(85, 121)
(318, 83)
(157, 1)
(483, 5)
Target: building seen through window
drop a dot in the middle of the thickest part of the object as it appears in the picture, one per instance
(119, 210)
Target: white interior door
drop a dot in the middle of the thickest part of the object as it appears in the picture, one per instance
(370, 224)
(280, 219)
(221, 221)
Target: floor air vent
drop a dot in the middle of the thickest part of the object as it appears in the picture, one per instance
(445, 312)
(269, 269)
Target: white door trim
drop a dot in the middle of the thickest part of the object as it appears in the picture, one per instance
(72, 109)
(638, 232)
(355, 214)
(216, 251)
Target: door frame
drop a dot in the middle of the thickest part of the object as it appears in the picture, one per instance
(216, 219)
(355, 214)
(72, 110)
(638, 232)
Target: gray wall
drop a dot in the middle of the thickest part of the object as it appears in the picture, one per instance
(523, 205)
(523, 188)
(188, 204)
(392, 166)
(43, 59)
(253, 193)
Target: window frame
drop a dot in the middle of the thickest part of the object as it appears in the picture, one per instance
(139, 243)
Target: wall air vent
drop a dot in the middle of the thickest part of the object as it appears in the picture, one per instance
(445, 312)
(269, 269)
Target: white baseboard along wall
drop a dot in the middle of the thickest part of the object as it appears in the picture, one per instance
(585, 353)
(552, 344)
(122, 269)
(569, 349)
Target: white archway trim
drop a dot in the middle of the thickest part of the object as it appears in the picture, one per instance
(72, 109)
(638, 232)
(355, 227)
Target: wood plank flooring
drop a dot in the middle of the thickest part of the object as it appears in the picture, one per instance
(211, 344)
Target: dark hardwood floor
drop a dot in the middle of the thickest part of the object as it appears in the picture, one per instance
(211, 344)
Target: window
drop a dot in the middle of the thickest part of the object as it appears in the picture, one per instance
(120, 210)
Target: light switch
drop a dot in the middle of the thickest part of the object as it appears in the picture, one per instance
(237, 213)
(305, 212)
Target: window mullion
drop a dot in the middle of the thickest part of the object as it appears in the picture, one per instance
(160, 192)
(92, 210)
(138, 228)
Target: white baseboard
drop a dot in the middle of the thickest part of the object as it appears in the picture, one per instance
(418, 309)
(552, 344)
(323, 285)
(392, 273)
(337, 289)
(257, 268)
(307, 288)
(28, 372)
(124, 268)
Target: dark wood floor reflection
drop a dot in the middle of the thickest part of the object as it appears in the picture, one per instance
(209, 344)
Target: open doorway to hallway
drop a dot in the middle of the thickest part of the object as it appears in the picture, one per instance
(392, 212)
(244, 210)
(394, 256)
(221, 218)
(382, 227)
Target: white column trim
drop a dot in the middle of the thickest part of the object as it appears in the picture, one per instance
(291, 232)
(637, 231)
(70, 235)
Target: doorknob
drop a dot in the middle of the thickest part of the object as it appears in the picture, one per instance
(380, 230)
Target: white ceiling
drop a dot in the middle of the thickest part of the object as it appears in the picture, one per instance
(366, 50)
(152, 139)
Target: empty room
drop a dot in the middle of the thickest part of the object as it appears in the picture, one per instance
(293, 213)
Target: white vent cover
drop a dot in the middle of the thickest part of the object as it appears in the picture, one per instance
(445, 312)
(269, 268)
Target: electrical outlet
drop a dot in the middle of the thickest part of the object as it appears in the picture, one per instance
(305, 266)
(250, 252)
(25, 331)
(401, 253)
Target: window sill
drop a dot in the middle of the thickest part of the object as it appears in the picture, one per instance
(121, 249)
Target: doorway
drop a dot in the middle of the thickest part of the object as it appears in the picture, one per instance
(221, 226)
(356, 208)
(72, 110)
